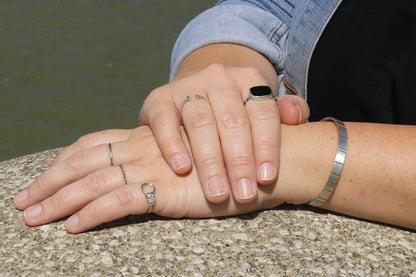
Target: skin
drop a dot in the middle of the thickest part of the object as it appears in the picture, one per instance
(377, 181)
(234, 146)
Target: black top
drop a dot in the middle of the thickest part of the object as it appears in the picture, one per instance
(364, 65)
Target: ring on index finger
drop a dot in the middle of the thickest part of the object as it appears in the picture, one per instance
(259, 93)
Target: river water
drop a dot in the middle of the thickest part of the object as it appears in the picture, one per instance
(70, 67)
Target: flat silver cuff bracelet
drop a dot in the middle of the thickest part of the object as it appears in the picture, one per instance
(338, 163)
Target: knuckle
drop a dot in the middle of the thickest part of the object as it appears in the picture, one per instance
(124, 197)
(38, 184)
(266, 144)
(54, 203)
(240, 160)
(154, 103)
(265, 113)
(90, 212)
(233, 119)
(161, 121)
(153, 96)
(77, 160)
(201, 120)
(253, 73)
(208, 161)
(84, 141)
(96, 183)
(218, 74)
(216, 69)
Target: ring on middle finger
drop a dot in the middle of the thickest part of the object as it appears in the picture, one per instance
(259, 93)
(188, 99)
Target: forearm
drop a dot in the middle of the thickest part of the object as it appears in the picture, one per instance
(230, 55)
(378, 178)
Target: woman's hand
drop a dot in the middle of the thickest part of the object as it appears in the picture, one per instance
(232, 143)
(82, 183)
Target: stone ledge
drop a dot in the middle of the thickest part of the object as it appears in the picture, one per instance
(286, 241)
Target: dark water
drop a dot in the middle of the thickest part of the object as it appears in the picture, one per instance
(70, 67)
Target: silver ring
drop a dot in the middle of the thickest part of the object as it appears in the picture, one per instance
(124, 174)
(186, 99)
(260, 93)
(111, 153)
(150, 195)
(197, 96)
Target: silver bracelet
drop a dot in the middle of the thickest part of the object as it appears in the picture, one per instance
(338, 163)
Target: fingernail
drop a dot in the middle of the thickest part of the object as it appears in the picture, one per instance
(266, 172)
(72, 221)
(299, 113)
(178, 162)
(32, 211)
(216, 186)
(245, 189)
(21, 196)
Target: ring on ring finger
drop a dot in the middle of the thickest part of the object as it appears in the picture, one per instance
(259, 93)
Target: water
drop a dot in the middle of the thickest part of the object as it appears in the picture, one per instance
(70, 67)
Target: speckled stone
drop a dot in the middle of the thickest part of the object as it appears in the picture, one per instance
(288, 241)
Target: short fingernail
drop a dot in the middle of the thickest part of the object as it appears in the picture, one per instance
(72, 221)
(245, 189)
(21, 196)
(178, 162)
(216, 186)
(32, 211)
(266, 172)
(299, 113)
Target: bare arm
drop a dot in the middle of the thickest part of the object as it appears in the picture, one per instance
(378, 181)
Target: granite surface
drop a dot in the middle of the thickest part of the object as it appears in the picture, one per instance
(288, 241)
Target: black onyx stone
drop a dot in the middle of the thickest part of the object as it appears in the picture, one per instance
(260, 91)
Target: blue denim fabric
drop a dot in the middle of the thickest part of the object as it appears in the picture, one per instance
(285, 31)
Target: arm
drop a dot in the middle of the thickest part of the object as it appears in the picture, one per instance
(377, 181)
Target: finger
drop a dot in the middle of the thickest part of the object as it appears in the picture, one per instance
(235, 134)
(76, 167)
(116, 204)
(91, 140)
(293, 110)
(159, 111)
(201, 128)
(265, 129)
(73, 197)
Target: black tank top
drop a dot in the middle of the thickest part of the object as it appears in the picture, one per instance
(364, 65)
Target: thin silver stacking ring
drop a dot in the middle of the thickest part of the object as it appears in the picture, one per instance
(188, 99)
(111, 153)
(124, 174)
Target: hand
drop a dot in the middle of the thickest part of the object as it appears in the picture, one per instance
(230, 141)
(82, 183)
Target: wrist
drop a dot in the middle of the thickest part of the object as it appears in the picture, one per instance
(306, 159)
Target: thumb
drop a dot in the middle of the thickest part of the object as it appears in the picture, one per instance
(293, 110)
